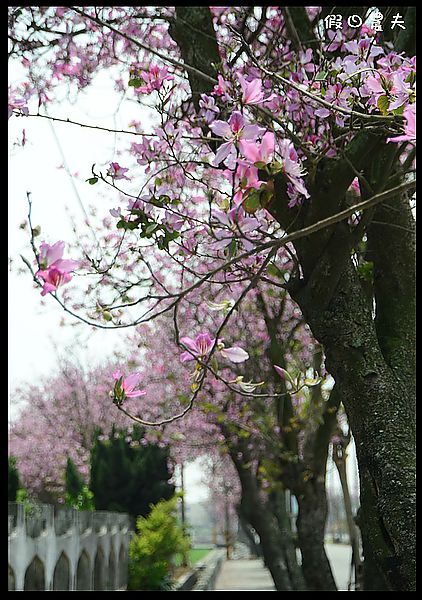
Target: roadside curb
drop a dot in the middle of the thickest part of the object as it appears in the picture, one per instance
(203, 575)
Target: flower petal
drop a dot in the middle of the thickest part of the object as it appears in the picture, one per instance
(235, 354)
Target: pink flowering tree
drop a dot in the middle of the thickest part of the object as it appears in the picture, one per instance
(61, 417)
(276, 436)
(263, 113)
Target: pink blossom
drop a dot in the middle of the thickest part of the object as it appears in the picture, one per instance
(202, 345)
(337, 95)
(235, 354)
(401, 90)
(117, 172)
(154, 79)
(375, 87)
(209, 108)
(235, 130)
(125, 386)
(55, 270)
(49, 254)
(293, 170)
(221, 88)
(252, 91)
(282, 372)
(236, 224)
(53, 278)
(247, 178)
(409, 114)
(355, 187)
(17, 104)
(262, 153)
(199, 347)
(363, 49)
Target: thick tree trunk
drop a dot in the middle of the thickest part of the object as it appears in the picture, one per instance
(374, 578)
(311, 529)
(247, 531)
(380, 417)
(265, 524)
(287, 540)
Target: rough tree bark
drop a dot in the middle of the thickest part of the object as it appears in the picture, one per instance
(263, 520)
(277, 501)
(305, 476)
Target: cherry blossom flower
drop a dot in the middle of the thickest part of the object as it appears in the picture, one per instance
(53, 278)
(221, 88)
(401, 90)
(293, 170)
(234, 354)
(409, 114)
(202, 345)
(252, 91)
(246, 178)
(363, 48)
(17, 104)
(54, 270)
(154, 79)
(337, 95)
(235, 130)
(117, 172)
(115, 212)
(262, 153)
(236, 224)
(209, 108)
(125, 386)
(284, 374)
(199, 347)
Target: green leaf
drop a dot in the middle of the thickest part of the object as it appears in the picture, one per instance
(399, 111)
(92, 180)
(136, 82)
(232, 248)
(156, 202)
(131, 225)
(366, 270)
(274, 271)
(252, 203)
(150, 229)
(172, 235)
(321, 76)
(383, 104)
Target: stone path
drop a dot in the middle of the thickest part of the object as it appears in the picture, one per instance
(244, 574)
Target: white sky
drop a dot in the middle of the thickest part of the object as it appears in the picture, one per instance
(34, 328)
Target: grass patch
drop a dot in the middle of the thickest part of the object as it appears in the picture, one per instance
(195, 555)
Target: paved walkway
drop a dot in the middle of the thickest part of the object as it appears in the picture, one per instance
(244, 574)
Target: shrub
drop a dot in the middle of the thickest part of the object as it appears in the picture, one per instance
(13, 480)
(78, 495)
(153, 550)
